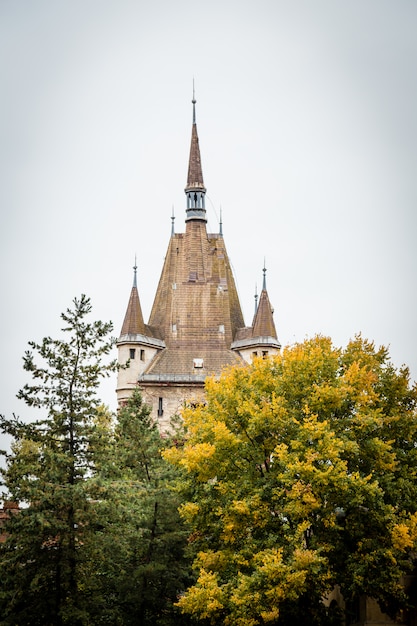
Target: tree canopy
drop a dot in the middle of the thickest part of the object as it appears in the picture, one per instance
(300, 472)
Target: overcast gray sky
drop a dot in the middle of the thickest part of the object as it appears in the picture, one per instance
(306, 114)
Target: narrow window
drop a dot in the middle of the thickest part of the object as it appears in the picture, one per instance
(132, 353)
(264, 353)
(142, 355)
(160, 407)
(254, 354)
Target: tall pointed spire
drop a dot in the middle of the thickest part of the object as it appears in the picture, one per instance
(195, 190)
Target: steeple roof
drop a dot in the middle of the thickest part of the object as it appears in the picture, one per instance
(133, 323)
(196, 310)
(195, 172)
(263, 321)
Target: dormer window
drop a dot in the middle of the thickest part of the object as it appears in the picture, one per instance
(198, 363)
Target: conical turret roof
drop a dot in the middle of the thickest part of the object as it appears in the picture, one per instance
(262, 333)
(133, 323)
(263, 323)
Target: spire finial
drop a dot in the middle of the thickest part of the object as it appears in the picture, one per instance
(264, 279)
(221, 224)
(193, 101)
(135, 267)
(256, 298)
(172, 222)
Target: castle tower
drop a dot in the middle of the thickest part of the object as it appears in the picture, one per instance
(196, 324)
(136, 345)
(260, 339)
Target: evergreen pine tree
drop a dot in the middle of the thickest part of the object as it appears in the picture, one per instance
(46, 561)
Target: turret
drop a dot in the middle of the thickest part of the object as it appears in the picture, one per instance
(136, 346)
(261, 338)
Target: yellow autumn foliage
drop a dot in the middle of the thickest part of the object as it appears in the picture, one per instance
(404, 534)
(290, 462)
(214, 560)
(189, 510)
(197, 458)
(204, 599)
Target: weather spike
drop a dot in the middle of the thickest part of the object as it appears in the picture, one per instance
(193, 101)
(264, 280)
(221, 224)
(172, 222)
(256, 298)
(135, 267)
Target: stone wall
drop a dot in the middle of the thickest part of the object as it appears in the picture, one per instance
(168, 400)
